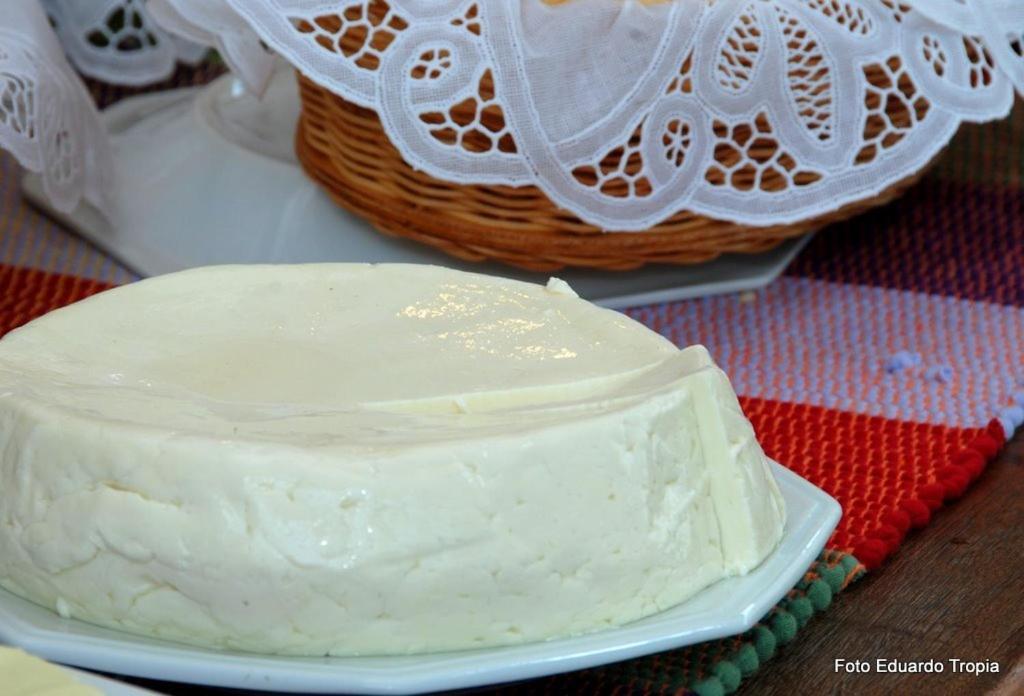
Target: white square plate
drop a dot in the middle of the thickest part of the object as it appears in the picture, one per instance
(229, 190)
(726, 608)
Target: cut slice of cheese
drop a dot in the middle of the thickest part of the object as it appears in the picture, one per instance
(356, 459)
(22, 674)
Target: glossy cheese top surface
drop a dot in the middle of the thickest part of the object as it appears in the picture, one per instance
(342, 352)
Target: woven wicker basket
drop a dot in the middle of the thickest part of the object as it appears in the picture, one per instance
(344, 148)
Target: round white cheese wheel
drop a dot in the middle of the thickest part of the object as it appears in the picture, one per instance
(357, 459)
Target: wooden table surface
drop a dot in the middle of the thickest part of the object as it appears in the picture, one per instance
(953, 590)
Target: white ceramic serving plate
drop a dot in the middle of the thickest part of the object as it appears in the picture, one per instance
(726, 608)
(208, 176)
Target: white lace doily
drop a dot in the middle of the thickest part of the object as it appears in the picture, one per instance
(117, 41)
(47, 118)
(216, 24)
(755, 111)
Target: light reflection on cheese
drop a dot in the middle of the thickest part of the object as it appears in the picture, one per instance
(367, 459)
